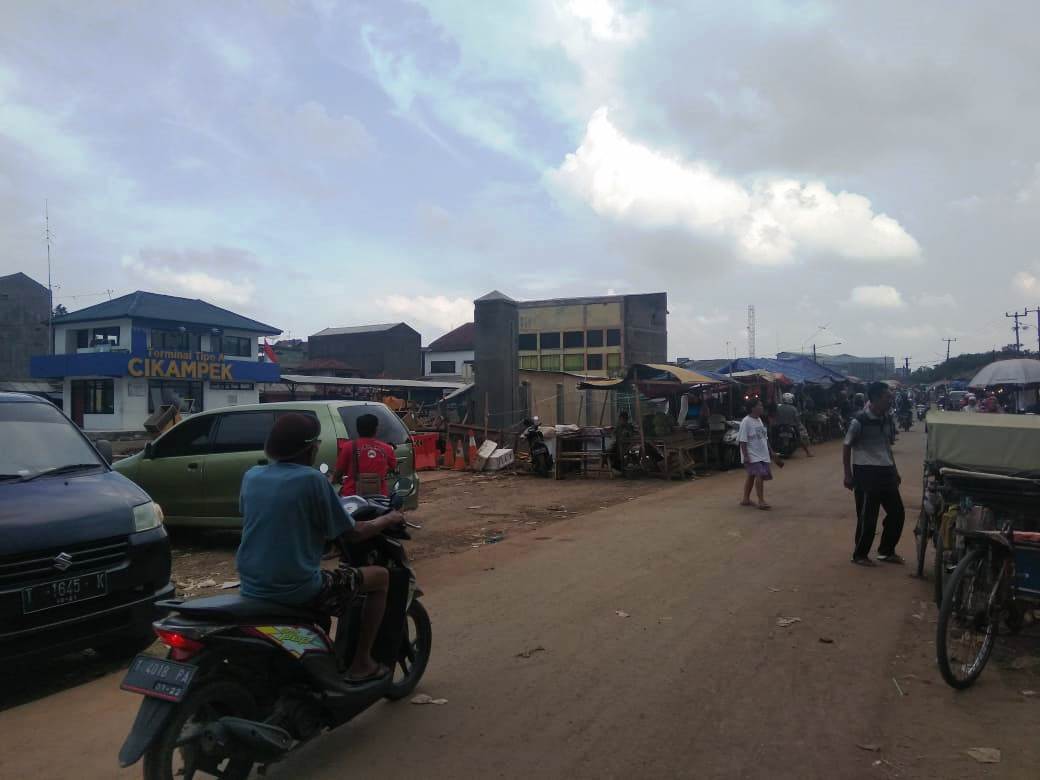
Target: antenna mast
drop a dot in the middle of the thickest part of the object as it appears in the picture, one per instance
(751, 330)
(50, 289)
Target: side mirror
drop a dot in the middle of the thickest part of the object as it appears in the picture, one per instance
(149, 451)
(105, 448)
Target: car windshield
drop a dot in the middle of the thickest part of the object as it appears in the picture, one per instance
(391, 429)
(38, 438)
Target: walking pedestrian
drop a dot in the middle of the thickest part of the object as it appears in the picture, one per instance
(755, 454)
(871, 473)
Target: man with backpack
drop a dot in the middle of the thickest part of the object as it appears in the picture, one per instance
(364, 464)
(871, 473)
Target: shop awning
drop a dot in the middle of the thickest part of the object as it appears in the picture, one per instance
(658, 375)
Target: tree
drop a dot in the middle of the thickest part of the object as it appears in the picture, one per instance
(60, 310)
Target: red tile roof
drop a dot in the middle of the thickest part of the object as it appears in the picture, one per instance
(462, 338)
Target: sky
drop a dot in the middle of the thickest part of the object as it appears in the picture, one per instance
(867, 175)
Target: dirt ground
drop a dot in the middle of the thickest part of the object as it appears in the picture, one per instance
(675, 634)
(458, 511)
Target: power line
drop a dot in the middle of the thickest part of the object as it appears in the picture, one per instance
(1017, 328)
(948, 342)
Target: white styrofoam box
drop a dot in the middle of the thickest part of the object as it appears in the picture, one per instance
(499, 460)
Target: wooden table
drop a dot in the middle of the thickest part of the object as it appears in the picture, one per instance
(679, 452)
(589, 461)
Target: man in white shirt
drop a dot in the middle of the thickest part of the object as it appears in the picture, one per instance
(755, 454)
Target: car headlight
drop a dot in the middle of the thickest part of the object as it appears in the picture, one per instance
(147, 516)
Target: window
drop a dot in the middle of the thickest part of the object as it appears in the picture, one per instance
(236, 346)
(573, 362)
(191, 437)
(442, 366)
(82, 338)
(594, 338)
(108, 335)
(573, 339)
(595, 363)
(231, 386)
(243, 431)
(175, 340)
(38, 437)
(613, 362)
(391, 429)
(549, 340)
(550, 363)
(98, 395)
(184, 394)
(613, 337)
(529, 362)
(528, 341)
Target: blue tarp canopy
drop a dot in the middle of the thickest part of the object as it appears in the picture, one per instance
(800, 370)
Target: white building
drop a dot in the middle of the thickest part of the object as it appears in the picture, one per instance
(121, 360)
(452, 354)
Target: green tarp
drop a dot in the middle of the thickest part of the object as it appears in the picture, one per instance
(998, 443)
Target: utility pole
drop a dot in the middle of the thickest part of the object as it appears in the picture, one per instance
(948, 342)
(906, 367)
(50, 289)
(1016, 316)
(751, 330)
(1036, 311)
(814, 353)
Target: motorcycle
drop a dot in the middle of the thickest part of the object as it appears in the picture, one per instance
(785, 440)
(922, 411)
(906, 419)
(731, 444)
(541, 458)
(246, 681)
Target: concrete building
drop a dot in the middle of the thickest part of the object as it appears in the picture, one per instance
(392, 350)
(291, 354)
(24, 315)
(595, 336)
(121, 360)
(452, 355)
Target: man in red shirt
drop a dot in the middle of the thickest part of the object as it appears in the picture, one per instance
(364, 464)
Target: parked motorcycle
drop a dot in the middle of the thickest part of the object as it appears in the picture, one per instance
(245, 681)
(922, 411)
(541, 458)
(731, 444)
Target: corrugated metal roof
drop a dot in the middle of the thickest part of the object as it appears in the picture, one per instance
(461, 339)
(303, 379)
(170, 308)
(358, 329)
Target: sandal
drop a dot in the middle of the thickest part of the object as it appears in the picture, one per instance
(863, 562)
(765, 507)
(746, 503)
(381, 671)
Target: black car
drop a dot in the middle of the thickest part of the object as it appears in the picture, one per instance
(84, 555)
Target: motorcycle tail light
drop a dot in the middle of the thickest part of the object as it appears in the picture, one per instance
(183, 646)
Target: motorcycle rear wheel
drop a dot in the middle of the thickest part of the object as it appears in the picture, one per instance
(416, 645)
(165, 760)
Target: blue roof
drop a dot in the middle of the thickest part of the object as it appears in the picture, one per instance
(153, 306)
(799, 370)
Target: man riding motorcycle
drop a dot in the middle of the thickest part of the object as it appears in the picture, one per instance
(289, 511)
(787, 414)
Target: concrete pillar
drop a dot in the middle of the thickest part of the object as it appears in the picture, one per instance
(496, 361)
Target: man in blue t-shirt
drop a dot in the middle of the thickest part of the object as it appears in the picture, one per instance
(289, 511)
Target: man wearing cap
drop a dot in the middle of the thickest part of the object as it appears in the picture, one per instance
(289, 511)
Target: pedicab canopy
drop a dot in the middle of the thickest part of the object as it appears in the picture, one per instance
(1005, 444)
(654, 378)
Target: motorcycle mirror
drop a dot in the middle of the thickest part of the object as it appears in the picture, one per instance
(324, 468)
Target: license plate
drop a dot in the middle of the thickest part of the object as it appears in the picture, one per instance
(61, 592)
(159, 678)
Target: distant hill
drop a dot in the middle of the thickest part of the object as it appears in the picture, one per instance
(962, 366)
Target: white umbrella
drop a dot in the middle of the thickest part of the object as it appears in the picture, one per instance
(1021, 371)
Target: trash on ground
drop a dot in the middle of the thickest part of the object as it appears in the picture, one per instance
(1029, 693)
(984, 755)
(422, 698)
(621, 613)
(532, 651)
(784, 622)
(896, 683)
(773, 590)
(826, 640)
(229, 585)
(207, 583)
(869, 746)
(494, 537)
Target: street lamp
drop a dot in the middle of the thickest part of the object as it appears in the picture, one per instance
(824, 346)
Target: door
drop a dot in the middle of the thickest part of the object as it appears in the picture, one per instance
(173, 475)
(79, 401)
(238, 445)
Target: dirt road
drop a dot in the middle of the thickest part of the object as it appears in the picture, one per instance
(642, 640)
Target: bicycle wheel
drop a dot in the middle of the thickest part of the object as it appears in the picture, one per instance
(921, 537)
(968, 620)
(938, 567)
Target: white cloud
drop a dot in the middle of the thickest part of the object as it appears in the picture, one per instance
(768, 223)
(936, 299)
(1027, 282)
(191, 283)
(310, 132)
(605, 22)
(439, 311)
(879, 296)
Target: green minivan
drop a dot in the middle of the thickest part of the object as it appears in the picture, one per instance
(194, 470)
